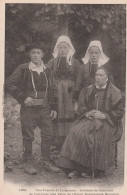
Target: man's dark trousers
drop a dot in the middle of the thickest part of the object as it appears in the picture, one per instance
(31, 117)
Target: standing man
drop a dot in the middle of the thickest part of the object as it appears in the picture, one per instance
(31, 86)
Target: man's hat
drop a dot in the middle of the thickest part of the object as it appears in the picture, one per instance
(35, 45)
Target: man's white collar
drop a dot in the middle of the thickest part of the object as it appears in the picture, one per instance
(38, 69)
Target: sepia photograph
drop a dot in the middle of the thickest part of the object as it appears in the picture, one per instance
(64, 97)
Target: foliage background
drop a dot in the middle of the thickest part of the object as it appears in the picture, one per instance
(26, 23)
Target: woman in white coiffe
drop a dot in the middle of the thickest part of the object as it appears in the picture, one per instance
(67, 82)
(94, 59)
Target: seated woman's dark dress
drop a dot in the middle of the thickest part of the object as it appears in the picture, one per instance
(90, 143)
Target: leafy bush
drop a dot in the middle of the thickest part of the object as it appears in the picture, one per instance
(26, 23)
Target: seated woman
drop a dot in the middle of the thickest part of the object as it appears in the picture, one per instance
(90, 145)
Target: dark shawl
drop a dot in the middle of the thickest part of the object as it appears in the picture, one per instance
(113, 106)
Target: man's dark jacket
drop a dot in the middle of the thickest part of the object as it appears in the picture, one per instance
(17, 84)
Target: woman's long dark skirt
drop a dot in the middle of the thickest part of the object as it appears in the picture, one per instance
(89, 144)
